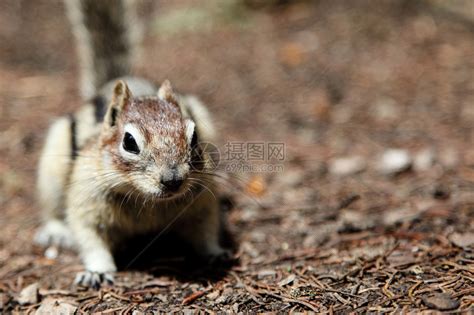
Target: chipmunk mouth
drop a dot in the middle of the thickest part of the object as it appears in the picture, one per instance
(158, 191)
(186, 189)
(167, 195)
(170, 194)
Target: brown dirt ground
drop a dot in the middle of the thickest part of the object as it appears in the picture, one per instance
(329, 79)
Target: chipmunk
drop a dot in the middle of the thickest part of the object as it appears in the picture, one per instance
(129, 161)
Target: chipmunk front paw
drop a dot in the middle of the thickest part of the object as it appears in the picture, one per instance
(91, 279)
(54, 232)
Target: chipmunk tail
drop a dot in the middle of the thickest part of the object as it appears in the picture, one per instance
(106, 33)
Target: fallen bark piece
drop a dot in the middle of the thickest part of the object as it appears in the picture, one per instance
(441, 301)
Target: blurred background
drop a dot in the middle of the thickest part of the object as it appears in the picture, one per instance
(373, 100)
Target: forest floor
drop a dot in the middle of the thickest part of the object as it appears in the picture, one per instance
(332, 227)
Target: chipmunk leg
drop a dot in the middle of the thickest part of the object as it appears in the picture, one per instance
(54, 167)
(96, 256)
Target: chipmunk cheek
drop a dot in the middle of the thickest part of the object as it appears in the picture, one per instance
(147, 185)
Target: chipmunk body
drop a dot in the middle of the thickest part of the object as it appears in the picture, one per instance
(128, 162)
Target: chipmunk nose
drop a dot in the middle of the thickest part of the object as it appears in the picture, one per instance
(172, 185)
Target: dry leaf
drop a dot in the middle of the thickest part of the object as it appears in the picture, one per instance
(256, 186)
(29, 295)
(287, 280)
(292, 54)
(54, 306)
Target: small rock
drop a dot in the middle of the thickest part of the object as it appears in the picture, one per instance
(441, 301)
(394, 161)
(464, 240)
(29, 295)
(51, 252)
(347, 166)
(424, 160)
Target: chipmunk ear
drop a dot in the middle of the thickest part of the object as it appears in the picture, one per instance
(166, 93)
(121, 97)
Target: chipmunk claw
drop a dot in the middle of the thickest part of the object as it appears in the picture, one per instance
(91, 279)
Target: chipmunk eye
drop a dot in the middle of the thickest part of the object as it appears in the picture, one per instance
(129, 144)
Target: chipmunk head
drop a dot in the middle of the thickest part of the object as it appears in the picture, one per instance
(148, 141)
